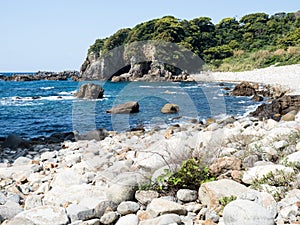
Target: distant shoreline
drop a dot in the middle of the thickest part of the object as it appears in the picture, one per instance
(288, 77)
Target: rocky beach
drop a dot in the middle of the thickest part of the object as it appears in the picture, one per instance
(248, 168)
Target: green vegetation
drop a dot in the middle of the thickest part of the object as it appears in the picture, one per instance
(255, 41)
(277, 183)
(225, 200)
(191, 174)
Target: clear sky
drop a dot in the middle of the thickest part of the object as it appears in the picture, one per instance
(55, 35)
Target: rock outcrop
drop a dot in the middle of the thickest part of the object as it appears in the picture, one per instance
(90, 91)
(140, 61)
(278, 107)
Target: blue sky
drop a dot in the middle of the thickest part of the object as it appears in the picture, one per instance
(55, 35)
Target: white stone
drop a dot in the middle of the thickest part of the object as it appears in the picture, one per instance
(160, 206)
(45, 215)
(259, 172)
(246, 212)
(129, 219)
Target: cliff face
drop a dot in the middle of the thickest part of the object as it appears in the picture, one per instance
(151, 60)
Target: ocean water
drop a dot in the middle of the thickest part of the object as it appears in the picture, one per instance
(42, 108)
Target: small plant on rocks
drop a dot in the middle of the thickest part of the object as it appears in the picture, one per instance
(277, 183)
(225, 200)
(191, 174)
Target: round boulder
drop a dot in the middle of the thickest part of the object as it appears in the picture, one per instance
(246, 212)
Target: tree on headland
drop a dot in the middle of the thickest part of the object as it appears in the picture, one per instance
(228, 39)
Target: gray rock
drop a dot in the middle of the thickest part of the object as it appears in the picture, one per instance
(210, 193)
(212, 215)
(33, 201)
(163, 220)
(145, 197)
(90, 91)
(97, 135)
(160, 206)
(128, 207)
(123, 187)
(129, 219)
(262, 198)
(187, 195)
(104, 206)
(14, 141)
(3, 198)
(45, 215)
(19, 221)
(78, 212)
(126, 108)
(109, 218)
(9, 210)
(246, 212)
(87, 222)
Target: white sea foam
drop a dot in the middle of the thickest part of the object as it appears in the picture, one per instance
(46, 88)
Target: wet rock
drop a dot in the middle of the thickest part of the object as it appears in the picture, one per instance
(126, 108)
(14, 141)
(170, 108)
(244, 89)
(90, 91)
(246, 212)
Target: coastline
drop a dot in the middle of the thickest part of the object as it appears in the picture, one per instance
(285, 76)
(93, 181)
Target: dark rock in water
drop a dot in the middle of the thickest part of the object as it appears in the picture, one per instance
(170, 108)
(244, 89)
(36, 97)
(139, 127)
(90, 91)
(97, 135)
(278, 107)
(126, 108)
(14, 141)
(42, 75)
(226, 88)
(257, 98)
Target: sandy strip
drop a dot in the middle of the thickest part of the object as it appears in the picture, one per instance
(286, 76)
